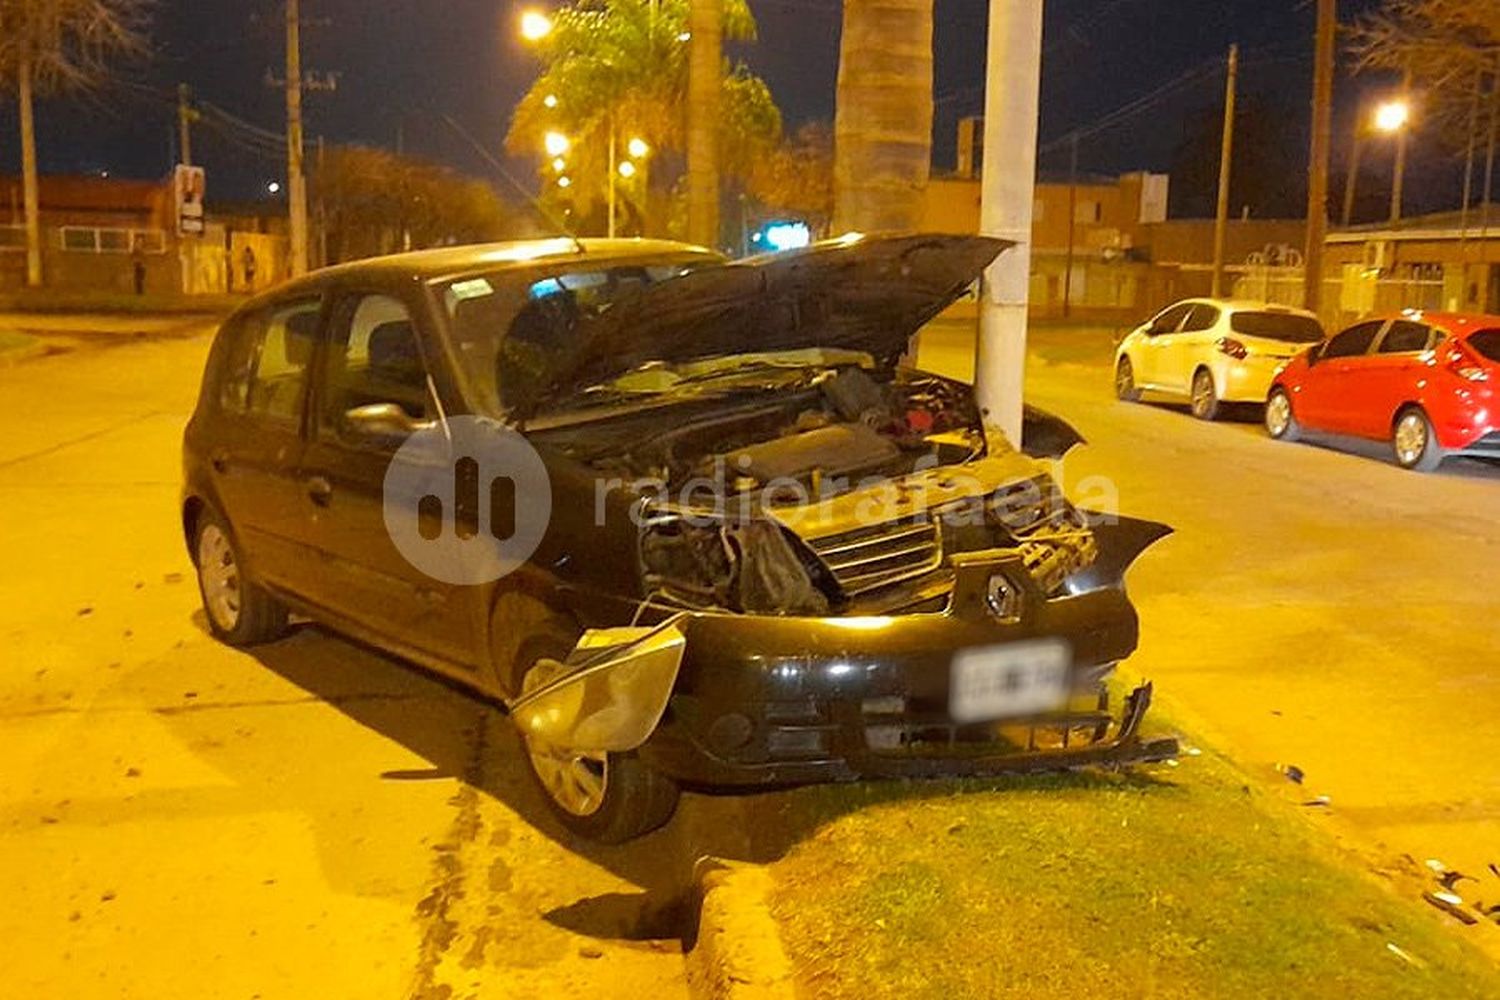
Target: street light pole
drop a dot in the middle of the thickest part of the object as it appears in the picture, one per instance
(1398, 186)
(1008, 189)
(1350, 182)
(1226, 168)
(611, 170)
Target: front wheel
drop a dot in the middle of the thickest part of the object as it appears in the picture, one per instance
(1205, 396)
(605, 797)
(1125, 388)
(1413, 442)
(1281, 422)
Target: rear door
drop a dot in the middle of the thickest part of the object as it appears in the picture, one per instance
(375, 355)
(1388, 378)
(1326, 401)
(1188, 347)
(258, 440)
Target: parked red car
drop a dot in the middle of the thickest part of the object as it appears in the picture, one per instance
(1429, 383)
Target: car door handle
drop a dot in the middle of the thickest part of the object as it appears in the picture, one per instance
(219, 460)
(320, 491)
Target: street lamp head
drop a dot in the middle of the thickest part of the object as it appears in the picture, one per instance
(535, 25)
(638, 148)
(555, 143)
(564, 181)
(274, 187)
(559, 164)
(627, 169)
(550, 101)
(1392, 116)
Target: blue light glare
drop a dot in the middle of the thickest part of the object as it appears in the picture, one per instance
(788, 235)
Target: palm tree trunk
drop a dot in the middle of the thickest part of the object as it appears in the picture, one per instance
(883, 126)
(705, 80)
(29, 186)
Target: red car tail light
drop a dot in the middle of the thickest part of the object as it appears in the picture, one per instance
(1233, 348)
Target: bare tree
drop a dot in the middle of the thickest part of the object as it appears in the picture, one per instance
(56, 46)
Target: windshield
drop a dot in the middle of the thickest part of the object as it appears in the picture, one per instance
(1487, 343)
(507, 329)
(1288, 327)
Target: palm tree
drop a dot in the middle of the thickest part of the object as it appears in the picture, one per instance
(883, 125)
(50, 46)
(706, 26)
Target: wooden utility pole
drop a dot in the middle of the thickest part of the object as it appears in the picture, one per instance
(30, 186)
(705, 68)
(1226, 170)
(296, 180)
(1318, 155)
(1008, 192)
(1351, 183)
(184, 125)
(1072, 228)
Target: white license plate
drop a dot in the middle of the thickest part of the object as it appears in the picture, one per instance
(999, 682)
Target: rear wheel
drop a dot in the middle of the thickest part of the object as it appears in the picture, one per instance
(607, 797)
(1205, 400)
(1125, 388)
(239, 612)
(1413, 442)
(1281, 422)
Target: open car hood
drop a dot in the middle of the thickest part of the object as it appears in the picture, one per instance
(867, 294)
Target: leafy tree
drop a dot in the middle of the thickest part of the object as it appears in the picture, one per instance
(621, 67)
(55, 46)
(796, 178)
(883, 127)
(376, 202)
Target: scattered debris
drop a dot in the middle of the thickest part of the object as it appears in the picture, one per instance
(172, 578)
(1293, 773)
(1405, 955)
(957, 825)
(1194, 752)
(1319, 801)
(1450, 880)
(85, 611)
(1451, 904)
(107, 896)
(133, 772)
(589, 951)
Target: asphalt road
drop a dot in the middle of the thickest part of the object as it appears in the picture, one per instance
(182, 820)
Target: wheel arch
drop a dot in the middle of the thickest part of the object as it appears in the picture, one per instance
(192, 508)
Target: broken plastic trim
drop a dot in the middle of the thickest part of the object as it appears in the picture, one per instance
(615, 695)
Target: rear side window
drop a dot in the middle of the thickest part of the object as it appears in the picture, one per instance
(1288, 327)
(1354, 341)
(1487, 343)
(1405, 337)
(1203, 317)
(267, 371)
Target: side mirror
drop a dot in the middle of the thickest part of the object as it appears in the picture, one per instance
(379, 420)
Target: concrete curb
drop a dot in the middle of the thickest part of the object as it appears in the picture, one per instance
(736, 952)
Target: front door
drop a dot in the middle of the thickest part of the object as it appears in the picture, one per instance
(375, 358)
(1325, 402)
(1388, 379)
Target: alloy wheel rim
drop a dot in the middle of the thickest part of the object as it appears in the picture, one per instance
(1411, 438)
(576, 781)
(1278, 415)
(1203, 394)
(220, 576)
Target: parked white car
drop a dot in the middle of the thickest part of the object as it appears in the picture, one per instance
(1212, 351)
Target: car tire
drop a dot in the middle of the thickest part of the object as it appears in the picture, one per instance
(1413, 442)
(1281, 421)
(609, 797)
(1125, 387)
(239, 612)
(1205, 398)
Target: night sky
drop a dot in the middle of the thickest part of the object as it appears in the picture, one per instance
(401, 62)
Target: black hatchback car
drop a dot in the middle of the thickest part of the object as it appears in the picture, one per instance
(763, 550)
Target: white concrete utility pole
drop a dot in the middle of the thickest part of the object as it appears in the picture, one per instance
(1008, 185)
(1226, 171)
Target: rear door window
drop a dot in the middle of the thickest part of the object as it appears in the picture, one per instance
(267, 373)
(1405, 337)
(373, 358)
(1486, 343)
(1354, 341)
(1203, 317)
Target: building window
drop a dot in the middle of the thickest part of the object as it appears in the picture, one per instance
(1088, 212)
(12, 238)
(112, 239)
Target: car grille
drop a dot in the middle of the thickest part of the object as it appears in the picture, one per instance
(881, 555)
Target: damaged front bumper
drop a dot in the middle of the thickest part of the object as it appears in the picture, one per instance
(719, 699)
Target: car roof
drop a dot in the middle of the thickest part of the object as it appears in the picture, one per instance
(1457, 324)
(429, 265)
(1245, 305)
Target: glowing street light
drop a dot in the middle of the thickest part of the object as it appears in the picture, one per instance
(555, 143)
(535, 25)
(274, 187)
(627, 169)
(1392, 116)
(564, 181)
(550, 101)
(559, 165)
(637, 148)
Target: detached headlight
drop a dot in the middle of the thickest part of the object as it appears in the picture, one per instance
(748, 566)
